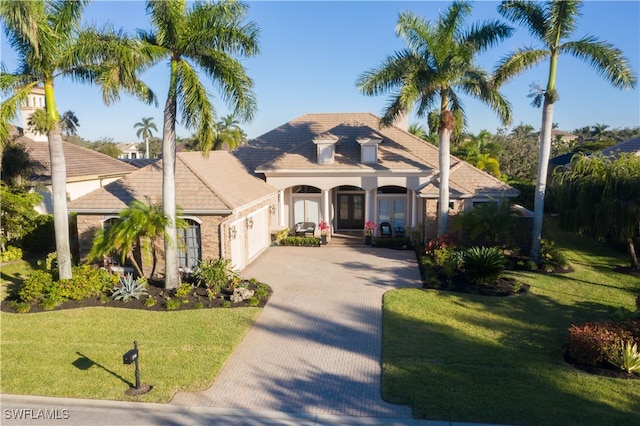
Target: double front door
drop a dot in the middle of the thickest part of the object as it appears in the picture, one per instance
(350, 211)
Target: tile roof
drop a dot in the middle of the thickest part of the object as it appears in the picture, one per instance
(632, 146)
(82, 163)
(290, 147)
(217, 184)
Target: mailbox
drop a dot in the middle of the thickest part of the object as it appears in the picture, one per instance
(130, 356)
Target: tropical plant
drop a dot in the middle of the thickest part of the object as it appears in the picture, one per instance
(206, 36)
(553, 22)
(214, 274)
(18, 214)
(600, 196)
(486, 223)
(50, 43)
(228, 133)
(138, 227)
(483, 265)
(130, 288)
(628, 358)
(144, 130)
(69, 123)
(436, 66)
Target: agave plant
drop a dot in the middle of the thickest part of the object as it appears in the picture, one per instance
(130, 287)
(482, 265)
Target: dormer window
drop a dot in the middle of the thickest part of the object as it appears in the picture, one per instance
(325, 148)
(369, 150)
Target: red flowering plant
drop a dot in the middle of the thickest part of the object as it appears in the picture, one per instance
(369, 227)
(324, 227)
(442, 242)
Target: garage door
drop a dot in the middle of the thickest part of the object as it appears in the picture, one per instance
(258, 232)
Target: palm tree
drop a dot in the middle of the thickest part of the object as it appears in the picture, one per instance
(418, 131)
(206, 36)
(599, 130)
(552, 23)
(438, 65)
(51, 43)
(145, 127)
(69, 123)
(228, 133)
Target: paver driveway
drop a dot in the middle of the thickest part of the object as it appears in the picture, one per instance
(316, 347)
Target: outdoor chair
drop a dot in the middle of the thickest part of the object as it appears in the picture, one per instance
(385, 229)
(399, 231)
(304, 228)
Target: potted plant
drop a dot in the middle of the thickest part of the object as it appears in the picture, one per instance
(369, 227)
(324, 231)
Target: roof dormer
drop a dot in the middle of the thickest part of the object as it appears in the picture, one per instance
(368, 149)
(325, 147)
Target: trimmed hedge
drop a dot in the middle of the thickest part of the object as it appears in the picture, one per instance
(300, 241)
(594, 343)
(394, 243)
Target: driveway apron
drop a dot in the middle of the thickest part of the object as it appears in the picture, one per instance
(317, 345)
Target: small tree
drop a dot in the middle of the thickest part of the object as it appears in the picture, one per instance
(18, 216)
(137, 229)
(600, 196)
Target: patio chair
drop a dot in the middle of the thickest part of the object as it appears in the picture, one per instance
(304, 228)
(385, 229)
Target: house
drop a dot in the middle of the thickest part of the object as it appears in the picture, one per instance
(87, 170)
(129, 151)
(338, 167)
(344, 169)
(229, 212)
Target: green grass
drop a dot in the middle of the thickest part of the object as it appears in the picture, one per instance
(468, 358)
(78, 353)
(12, 274)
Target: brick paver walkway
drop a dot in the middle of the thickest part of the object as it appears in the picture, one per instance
(316, 347)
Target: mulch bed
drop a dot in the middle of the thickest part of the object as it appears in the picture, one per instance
(606, 370)
(196, 299)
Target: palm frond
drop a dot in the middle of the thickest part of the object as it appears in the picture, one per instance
(562, 21)
(531, 14)
(517, 61)
(605, 59)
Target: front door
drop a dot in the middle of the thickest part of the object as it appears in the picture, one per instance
(350, 211)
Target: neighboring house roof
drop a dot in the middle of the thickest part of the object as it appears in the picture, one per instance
(82, 163)
(217, 184)
(290, 147)
(632, 146)
(139, 163)
(564, 135)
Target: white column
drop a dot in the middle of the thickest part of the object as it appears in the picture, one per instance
(367, 205)
(282, 222)
(414, 209)
(325, 206)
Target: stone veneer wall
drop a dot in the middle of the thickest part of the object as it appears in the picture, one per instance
(431, 216)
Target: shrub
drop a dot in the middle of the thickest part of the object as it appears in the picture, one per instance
(49, 303)
(198, 305)
(35, 288)
(11, 253)
(595, 342)
(443, 241)
(130, 287)
(172, 304)
(253, 301)
(628, 358)
(20, 307)
(394, 243)
(448, 260)
(301, 241)
(184, 290)
(551, 256)
(150, 301)
(87, 282)
(42, 238)
(214, 274)
(483, 265)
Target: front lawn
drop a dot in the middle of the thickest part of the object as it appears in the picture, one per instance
(78, 353)
(470, 358)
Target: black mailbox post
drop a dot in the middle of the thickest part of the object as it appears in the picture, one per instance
(131, 357)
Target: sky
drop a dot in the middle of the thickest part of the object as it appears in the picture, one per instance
(312, 53)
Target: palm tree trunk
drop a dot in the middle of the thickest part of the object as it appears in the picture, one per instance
(634, 257)
(58, 188)
(444, 160)
(146, 142)
(541, 182)
(172, 276)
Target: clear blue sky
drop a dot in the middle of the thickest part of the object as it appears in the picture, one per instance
(313, 52)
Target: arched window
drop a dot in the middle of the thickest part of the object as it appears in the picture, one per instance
(189, 251)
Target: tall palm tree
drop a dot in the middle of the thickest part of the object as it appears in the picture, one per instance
(50, 43)
(69, 123)
(599, 130)
(144, 129)
(553, 22)
(435, 68)
(205, 36)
